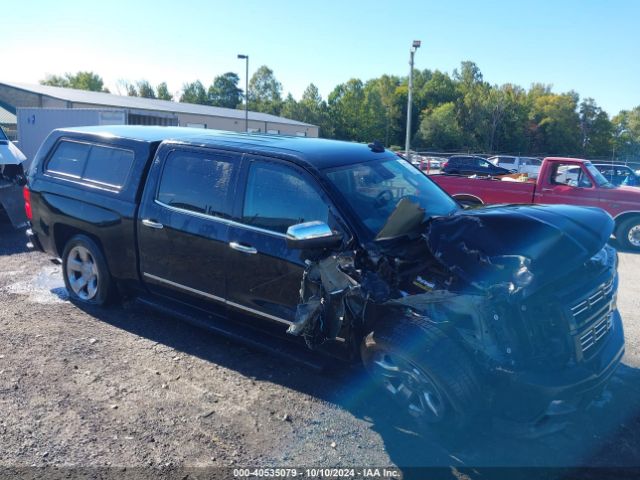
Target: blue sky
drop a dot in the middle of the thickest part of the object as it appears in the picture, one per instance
(592, 47)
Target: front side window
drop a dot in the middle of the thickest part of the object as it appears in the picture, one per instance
(571, 175)
(484, 164)
(197, 182)
(278, 196)
(601, 181)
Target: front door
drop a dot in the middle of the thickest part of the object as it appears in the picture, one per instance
(568, 183)
(264, 274)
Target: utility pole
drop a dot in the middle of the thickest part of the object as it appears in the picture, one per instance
(414, 47)
(246, 92)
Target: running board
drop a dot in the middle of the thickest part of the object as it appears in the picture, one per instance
(242, 333)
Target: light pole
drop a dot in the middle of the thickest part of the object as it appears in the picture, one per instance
(246, 91)
(414, 47)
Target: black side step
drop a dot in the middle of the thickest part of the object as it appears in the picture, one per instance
(242, 333)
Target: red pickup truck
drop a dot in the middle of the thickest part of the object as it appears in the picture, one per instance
(561, 180)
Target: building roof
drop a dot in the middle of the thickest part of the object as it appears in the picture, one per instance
(121, 101)
(6, 117)
(317, 152)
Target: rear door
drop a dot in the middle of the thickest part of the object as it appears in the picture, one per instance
(264, 274)
(184, 222)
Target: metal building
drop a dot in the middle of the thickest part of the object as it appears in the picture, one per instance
(146, 111)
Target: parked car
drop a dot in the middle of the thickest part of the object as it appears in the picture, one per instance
(472, 165)
(562, 180)
(11, 178)
(427, 163)
(346, 248)
(619, 175)
(528, 165)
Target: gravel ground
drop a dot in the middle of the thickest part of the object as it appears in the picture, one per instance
(125, 387)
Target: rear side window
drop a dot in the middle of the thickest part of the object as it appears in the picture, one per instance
(109, 166)
(278, 197)
(92, 163)
(69, 159)
(197, 183)
(507, 160)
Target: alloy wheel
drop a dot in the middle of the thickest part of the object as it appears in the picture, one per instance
(82, 273)
(410, 386)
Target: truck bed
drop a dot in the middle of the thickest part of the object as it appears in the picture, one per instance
(488, 190)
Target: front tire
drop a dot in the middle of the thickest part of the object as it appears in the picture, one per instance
(85, 272)
(427, 373)
(628, 234)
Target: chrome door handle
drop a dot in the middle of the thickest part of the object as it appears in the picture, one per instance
(150, 223)
(243, 248)
(547, 189)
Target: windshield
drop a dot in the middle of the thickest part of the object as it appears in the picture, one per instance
(600, 179)
(2, 135)
(373, 190)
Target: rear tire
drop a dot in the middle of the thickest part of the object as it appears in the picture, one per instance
(628, 234)
(85, 272)
(428, 374)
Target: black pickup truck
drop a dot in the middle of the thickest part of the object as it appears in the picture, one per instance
(346, 248)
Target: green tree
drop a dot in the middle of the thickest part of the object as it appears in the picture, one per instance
(80, 81)
(291, 109)
(626, 136)
(163, 92)
(145, 89)
(508, 119)
(595, 128)
(439, 128)
(265, 92)
(346, 103)
(471, 105)
(393, 107)
(194, 93)
(224, 91)
(438, 90)
(555, 124)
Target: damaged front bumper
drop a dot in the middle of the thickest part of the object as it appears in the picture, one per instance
(538, 400)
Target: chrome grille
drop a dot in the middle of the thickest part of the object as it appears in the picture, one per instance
(593, 318)
(594, 334)
(594, 307)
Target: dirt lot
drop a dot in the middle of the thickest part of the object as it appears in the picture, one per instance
(127, 387)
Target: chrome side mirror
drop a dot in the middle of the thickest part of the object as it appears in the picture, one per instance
(312, 235)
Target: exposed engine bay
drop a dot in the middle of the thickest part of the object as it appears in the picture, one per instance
(491, 277)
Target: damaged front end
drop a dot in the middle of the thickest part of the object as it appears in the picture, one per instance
(528, 291)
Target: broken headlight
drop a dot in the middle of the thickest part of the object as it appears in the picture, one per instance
(522, 277)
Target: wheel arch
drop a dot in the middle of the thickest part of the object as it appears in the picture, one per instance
(623, 217)
(62, 233)
(468, 198)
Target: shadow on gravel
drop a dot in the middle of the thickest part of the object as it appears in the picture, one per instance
(607, 435)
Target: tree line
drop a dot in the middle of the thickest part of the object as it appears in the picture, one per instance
(452, 112)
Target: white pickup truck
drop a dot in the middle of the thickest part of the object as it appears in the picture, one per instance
(528, 165)
(11, 177)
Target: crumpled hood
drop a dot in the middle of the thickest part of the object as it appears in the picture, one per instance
(516, 246)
